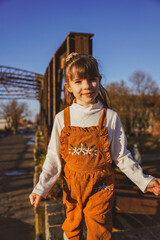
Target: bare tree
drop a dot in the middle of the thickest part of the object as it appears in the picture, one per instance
(139, 106)
(143, 84)
(12, 112)
(121, 102)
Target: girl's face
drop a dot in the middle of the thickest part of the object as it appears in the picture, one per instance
(84, 90)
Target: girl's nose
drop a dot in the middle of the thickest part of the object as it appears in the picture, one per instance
(86, 84)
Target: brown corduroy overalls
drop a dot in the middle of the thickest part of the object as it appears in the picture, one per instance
(88, 179)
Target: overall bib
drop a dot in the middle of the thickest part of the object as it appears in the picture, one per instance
(88, 179)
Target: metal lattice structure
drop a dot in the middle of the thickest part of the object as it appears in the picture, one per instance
(19, 84)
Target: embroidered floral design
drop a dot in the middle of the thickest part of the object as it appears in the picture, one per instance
(82, 150)
(74, 150)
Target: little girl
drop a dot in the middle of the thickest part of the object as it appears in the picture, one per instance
(86, 137)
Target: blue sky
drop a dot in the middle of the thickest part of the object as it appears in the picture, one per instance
(127, 34)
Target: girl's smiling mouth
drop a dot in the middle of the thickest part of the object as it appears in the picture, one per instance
(87, 94)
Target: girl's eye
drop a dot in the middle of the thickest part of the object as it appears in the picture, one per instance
(77, 82)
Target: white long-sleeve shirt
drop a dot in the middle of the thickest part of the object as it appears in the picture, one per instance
(86, 116)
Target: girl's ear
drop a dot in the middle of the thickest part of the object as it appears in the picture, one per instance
(67, 86)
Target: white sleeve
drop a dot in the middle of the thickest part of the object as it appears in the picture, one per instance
(123, 158)
(52, 166)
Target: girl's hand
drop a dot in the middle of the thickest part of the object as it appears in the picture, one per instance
(35, 199)
(154, 186)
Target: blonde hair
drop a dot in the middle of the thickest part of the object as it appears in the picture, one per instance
(85, 66)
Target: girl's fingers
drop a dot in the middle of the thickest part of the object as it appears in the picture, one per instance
(156, 191)
(156, 182)
(37, 200)
(154, 186)
(32, 198)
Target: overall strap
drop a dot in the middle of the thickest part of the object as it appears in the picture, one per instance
(66, 117)
(102, 118)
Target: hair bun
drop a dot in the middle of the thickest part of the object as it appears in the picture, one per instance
(71, 55)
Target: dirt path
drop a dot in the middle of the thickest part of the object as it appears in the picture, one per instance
(16, 183)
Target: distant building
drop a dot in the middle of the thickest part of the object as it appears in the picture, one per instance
(3, 124)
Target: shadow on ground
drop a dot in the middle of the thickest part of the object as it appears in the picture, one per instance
(9, 229)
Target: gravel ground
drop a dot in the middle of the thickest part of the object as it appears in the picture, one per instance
(16, 183)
